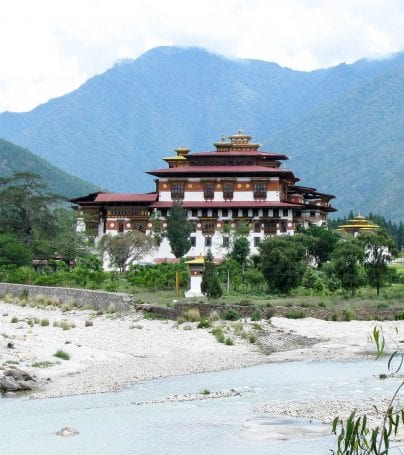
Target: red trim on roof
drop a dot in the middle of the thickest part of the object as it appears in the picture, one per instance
(219, 169)
(229, 204)
(272, 155)
(126, 197)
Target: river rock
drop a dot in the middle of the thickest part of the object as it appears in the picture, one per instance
(67, 431)
(9, 385)
(19, 375)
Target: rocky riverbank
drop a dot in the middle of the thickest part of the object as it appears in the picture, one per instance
(81, 351)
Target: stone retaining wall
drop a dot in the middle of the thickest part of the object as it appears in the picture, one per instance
(82, 297)
(205, 309)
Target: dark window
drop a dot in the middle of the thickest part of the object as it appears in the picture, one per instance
(208, 226)
(255, 212)
(270, 227)
(285, 212)
(226, 242)
(177, 191)
(257, 227)
(194, 213)
(204, 213)
(256, 241)
(209, 190)
(312, 214)
(208, 241)
(193, 241)
(228, 190)
(276, 213)
(225, 212)
(283, 226)
(214, 213)
(265, 213)
(245, 213)
(120, 226)
(260, 190)
(139, 227)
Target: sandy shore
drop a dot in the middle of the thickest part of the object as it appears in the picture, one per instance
(119, 350)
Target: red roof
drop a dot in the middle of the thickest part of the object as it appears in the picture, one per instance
(229, 204)
(275, 156)
(219, 170)
(126, 197)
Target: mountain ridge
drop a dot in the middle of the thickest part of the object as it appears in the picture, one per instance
(121, 123)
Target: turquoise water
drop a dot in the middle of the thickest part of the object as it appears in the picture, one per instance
(111, 424)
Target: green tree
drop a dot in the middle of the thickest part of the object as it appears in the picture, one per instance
(348, 258)
(13, 251)
(210, 285)
(67, 243)
(283, 262)
(124, 249)
(378, 247)
(320, 242)
(26, 207)
(240, 250)
(178, 230)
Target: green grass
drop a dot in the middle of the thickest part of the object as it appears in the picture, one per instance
(45, 364)
(61, 355)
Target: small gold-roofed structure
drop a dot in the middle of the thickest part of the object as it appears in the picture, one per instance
(238, 141)
(357, 225)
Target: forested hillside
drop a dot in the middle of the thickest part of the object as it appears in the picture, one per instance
(17, 159)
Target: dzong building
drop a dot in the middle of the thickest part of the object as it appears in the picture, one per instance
(235, 183)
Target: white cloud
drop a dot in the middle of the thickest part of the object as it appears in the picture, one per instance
(48, 47)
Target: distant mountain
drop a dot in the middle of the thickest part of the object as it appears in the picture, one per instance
(121, 123)
(17, 159)
(354, 147)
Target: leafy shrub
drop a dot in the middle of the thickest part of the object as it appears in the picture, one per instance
(61, 355)
(205, 392)
(348, 315)
(44, 322)
(397, 317)
(256, 316)
(231, 315)
(204, 324)
(334, 317)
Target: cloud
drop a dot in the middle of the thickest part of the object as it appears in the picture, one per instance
(48, 48)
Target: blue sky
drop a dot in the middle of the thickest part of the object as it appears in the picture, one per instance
(50, 47)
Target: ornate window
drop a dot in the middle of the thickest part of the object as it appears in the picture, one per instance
(260, 190)
(208, 227)
(227, 190)
(177, 191)
(209, 190)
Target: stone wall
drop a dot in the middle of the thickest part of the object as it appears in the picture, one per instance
(246, 311)
(82, 297)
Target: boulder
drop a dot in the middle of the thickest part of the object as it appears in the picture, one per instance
(67, 431)
(9, 385)
(19, 375)
(25, 385)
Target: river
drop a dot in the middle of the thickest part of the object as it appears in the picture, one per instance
(111, 424)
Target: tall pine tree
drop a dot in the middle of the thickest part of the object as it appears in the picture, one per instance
(178, 230)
